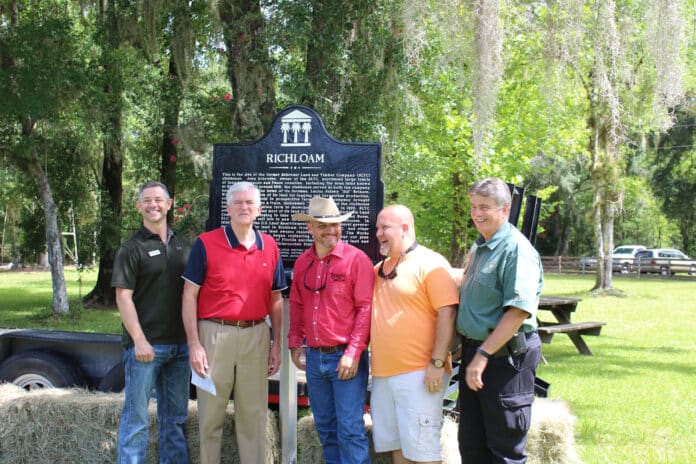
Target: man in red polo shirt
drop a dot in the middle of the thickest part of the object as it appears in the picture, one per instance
(232, 282)
(330, 304)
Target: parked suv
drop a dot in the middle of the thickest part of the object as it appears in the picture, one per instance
(623, 257)
(666, 261)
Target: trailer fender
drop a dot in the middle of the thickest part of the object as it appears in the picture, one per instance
(35, 369)
(114, 381)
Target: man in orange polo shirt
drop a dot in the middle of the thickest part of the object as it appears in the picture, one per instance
(232, 282)
(414, 306)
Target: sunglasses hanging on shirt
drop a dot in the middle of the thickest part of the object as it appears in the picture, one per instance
(322, 279)
(392, 274)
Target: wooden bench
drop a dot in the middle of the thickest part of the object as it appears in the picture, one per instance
(574, 330)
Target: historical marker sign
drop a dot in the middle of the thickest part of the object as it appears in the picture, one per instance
(294, 161)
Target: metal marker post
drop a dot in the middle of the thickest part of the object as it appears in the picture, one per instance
(288, 395)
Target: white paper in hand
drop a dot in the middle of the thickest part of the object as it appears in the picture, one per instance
(204, 383)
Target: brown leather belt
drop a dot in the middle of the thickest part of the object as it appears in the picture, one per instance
(329, 349)
(240, 324)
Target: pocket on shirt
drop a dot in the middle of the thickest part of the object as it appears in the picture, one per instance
(488, 280)
(341, 288)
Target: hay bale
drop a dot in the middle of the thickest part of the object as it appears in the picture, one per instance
(59, 426)
(309, 446)
(229, 453)
(10, 392)
(551, 438)
(449, 441)
(75, 425)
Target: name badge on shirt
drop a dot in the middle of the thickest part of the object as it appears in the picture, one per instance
(154, 253)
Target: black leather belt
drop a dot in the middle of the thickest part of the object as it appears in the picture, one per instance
(466, 341)
(233, 323)
(329, 349)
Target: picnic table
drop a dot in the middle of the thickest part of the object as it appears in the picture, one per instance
(562, 308)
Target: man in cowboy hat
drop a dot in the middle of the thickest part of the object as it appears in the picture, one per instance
(330, 305)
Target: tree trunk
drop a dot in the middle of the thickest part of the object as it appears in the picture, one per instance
(564, 232)
(605, 184)
(54, 237)
(111, 187)
(460, 220)
(248, 68)
(170, 106)
(322, 71)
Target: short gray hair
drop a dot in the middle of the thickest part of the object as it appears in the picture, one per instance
(242, 186)
(492, 187)
(151, 184)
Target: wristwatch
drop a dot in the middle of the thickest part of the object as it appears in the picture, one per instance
(439, 363)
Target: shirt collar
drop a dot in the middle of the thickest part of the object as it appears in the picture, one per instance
(148, 234)
(501, 233)
(337, 250)
(232, 238)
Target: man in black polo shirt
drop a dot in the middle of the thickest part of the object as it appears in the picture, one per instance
(147, 278)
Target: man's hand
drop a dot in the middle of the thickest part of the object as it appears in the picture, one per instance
(274, 358)
(143, 351)
(474, 372)
(347, 368)
(198, 359)
(297, 353)
(434, 379)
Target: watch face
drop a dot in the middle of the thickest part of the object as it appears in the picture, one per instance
(438, 363)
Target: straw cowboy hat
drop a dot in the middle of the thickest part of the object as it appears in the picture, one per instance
(322, 210)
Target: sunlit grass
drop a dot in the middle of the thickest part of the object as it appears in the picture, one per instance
(26, 299)
(635, 399)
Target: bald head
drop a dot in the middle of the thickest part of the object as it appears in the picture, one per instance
(396, 230)
(400, 215)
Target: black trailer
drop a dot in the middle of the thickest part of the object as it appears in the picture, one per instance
(40, 358)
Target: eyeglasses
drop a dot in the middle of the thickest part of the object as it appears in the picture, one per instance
(322, 281)
(392, 274)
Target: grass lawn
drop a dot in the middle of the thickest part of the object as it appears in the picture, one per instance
(26, 299)
(635, 399)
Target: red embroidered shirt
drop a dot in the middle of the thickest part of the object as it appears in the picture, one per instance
(331, 299)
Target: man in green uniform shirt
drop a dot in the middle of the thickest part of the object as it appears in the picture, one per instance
(499, 296)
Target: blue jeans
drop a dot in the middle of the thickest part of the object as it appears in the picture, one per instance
(338, 407)
(169, 374)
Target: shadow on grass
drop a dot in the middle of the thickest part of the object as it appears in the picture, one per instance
(620, 361)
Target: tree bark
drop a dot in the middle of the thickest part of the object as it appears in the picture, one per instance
(605, 180)
(248, 68)
(460, 220)
(111, 186)
(54, 237)
(171, 105)
(322, 69)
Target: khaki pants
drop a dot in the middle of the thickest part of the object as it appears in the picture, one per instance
(238, 361)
